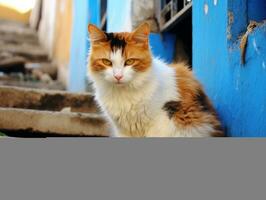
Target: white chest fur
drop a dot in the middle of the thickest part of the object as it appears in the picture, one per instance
(130, 110)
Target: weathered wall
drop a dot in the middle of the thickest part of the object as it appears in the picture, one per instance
(238, 91)
(62, 38)
(55, 33)
(36, 15)
(47, 26)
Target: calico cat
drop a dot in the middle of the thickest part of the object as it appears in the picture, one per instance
(141, 95)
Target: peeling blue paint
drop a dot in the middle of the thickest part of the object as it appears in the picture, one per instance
(238, 92)
(238, 10)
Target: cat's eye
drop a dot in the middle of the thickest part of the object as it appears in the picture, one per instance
(107, 62)
(130, 62)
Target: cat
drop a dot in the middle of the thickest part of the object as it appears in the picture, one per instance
(141, 95)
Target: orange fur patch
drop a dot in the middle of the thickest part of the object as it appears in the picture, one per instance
(142, 55)
(136, 47)
(195, 107)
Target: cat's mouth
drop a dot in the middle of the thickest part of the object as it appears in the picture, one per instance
(119, 83)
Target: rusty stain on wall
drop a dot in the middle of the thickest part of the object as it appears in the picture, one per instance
(244, 40)
(230, 23)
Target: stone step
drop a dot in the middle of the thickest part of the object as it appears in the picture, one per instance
(27, 51)
(27, 82)
(53, 123)
(48, 100)
(14, 64)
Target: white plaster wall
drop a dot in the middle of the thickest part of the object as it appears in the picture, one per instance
(47, 25)
(35, 14)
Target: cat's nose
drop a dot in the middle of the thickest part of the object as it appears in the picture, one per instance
(118, 77)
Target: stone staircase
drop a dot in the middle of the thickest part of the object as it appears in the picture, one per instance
(32, 101)
(48, 113)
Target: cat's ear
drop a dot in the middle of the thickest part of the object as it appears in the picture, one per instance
(141, 34)
(96, 34)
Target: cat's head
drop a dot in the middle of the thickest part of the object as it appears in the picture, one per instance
(120, 58)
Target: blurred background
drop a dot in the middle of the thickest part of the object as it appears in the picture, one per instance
(44, 45)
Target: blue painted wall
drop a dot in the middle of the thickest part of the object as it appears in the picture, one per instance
(85, 11)
(256, 9)
(118, 15)
(238, 91)
(163, 46)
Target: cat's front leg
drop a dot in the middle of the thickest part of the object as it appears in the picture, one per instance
(118, 133)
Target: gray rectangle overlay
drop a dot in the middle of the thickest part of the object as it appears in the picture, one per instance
(130, 169)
